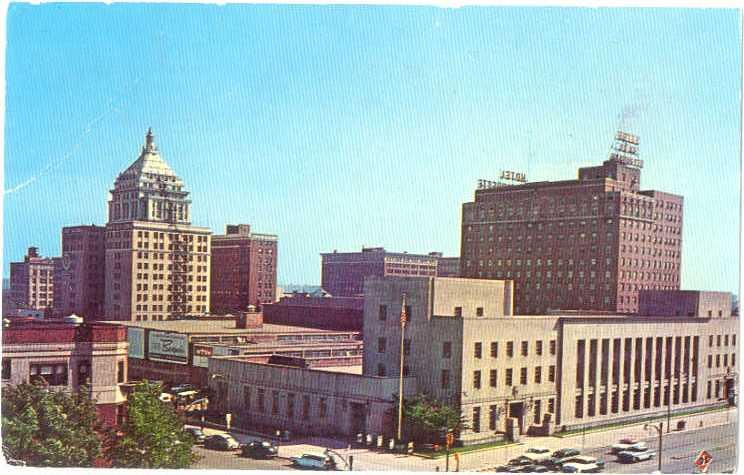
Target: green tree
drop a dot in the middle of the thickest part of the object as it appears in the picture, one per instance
(424, 418)
(152, 436)
(47, 428)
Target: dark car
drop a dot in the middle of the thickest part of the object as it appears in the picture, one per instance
(221, 442)
(508, 469)
(563, 453)
(534, 469)
(259, 449)
(521, 460)
(196, 433)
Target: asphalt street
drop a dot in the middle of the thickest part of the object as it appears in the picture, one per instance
(233, 460)
(679, 451)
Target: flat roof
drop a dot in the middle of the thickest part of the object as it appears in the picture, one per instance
(602, 318)
(350, 369)
(298, 345)
(221, 326)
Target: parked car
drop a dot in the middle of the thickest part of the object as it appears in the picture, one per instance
(573, 467)
(563, 453)
(534, 469)
(632, 456)
(221, 442)
(259, 449)
(637, 447)
(313, 461)
(196, 433)
(537, 454)
(584, 459)
(508, 468)
(521, 460)
(629, 444)
(538, 450)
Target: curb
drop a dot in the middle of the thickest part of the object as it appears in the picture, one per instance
(463, 454)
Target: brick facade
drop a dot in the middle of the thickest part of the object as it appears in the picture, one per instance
(243, 269)
(586, 244)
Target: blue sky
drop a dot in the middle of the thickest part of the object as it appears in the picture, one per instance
(337, 127)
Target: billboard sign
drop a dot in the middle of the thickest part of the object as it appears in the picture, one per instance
(168, 347)
(201, 355)
(136, 339)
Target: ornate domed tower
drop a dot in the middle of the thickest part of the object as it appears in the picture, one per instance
(157, 264)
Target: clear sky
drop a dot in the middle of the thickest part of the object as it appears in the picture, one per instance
(341, 126)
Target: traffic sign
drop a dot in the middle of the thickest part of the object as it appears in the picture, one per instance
(703, 460)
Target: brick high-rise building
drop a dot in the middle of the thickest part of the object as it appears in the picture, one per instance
(343, 273)
(586, 244)
(243, 269)
(157, 263)
(32, 281)
(80, 280)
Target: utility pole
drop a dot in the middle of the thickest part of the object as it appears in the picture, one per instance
(403, 319)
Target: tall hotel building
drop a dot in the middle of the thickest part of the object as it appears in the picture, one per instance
(586, 244)
(157, 263)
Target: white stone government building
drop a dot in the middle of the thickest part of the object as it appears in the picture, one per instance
(532, 374)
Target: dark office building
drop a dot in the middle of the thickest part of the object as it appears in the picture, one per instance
(343, 273)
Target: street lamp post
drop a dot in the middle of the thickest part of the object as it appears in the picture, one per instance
(660, 430)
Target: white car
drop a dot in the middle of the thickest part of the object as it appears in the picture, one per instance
(538, 454)
(576, 467)
(632, 447)
(314, 461)
(581, 459)
(633, 456)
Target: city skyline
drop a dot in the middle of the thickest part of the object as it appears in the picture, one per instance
(397, 113)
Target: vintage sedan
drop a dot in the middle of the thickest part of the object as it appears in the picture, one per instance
(221, 442)
(634, 456)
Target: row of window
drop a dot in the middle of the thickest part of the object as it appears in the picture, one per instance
(725, 360)
(524, 348)
(56, 374)
(273, 404)
(508, 377)
(718, 337)
(586, 405)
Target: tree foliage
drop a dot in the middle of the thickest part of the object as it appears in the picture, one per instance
(424, 419)
(47, 428)
(152, 436)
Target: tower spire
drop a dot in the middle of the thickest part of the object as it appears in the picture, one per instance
(149, 140)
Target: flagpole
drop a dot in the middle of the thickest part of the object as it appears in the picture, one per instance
(403, 318)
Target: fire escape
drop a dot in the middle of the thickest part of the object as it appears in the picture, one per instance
(180, 276)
